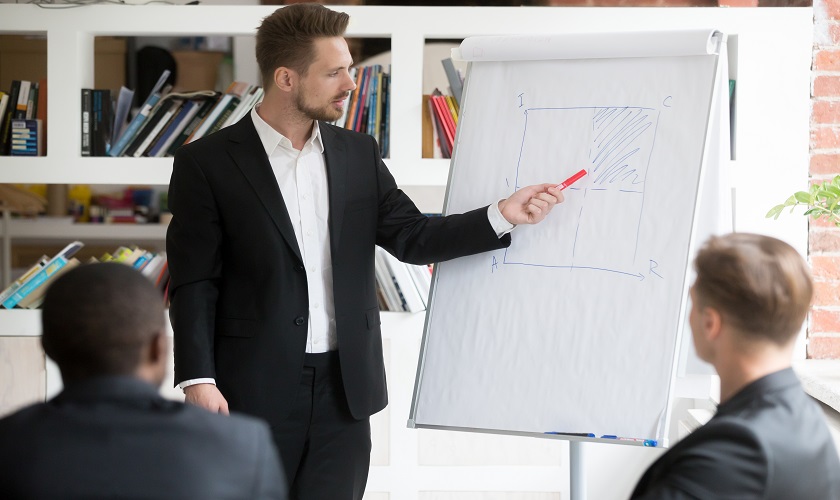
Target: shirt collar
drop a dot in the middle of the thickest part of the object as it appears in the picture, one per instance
(272, 139)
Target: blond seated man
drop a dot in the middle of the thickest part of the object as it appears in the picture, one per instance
(768, 439)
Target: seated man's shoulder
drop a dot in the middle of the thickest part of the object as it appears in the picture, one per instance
(235, 426)
(726, 439)
(22, 418)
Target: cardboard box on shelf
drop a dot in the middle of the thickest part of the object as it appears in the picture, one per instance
(24, 57)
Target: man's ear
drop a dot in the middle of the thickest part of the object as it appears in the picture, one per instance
(712, 323)
(284, 78)
(158, 348)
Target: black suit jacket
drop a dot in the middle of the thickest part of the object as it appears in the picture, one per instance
(769, 441)
(239, 305)
(117, 438)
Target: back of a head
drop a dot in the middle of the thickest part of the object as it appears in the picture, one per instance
(285, 38)
(760, 284)
(96, 318)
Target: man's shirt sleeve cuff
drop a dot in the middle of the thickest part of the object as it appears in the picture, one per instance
(497, 220)
(187, 383)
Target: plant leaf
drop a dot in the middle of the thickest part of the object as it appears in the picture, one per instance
(775, 212)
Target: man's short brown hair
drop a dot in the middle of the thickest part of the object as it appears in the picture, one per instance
(97, 318)
(761, 285)
(285, 38)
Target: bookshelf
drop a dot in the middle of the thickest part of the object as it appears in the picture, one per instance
(771, 61)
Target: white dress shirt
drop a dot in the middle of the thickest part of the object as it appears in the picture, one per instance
(302, 177)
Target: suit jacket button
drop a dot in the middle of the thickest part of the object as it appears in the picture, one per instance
(299, 268)
(299, 320)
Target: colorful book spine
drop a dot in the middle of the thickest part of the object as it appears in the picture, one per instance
(177, 125)
(154, 130)
(6, 127)
(24, 138)
(185, 134)
(23, 100)
(134, 126)
(87, 112)
(40, 276)
(5, 294)
(34, 282)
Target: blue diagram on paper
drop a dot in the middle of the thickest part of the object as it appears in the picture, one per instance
(614, 145)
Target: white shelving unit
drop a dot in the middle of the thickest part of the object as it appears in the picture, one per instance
(46, 229)
(772, 63)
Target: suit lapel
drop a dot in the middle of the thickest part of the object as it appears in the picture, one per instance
(336, 161)
(247, 152)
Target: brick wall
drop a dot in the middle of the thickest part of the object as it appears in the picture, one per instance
(824, 239)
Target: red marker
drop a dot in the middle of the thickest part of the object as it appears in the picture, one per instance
(571, 180)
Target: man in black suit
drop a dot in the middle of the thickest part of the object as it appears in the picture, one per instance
(109, 434)
(271, 253)
(768, 439)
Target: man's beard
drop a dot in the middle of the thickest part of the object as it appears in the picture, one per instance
(327, 113)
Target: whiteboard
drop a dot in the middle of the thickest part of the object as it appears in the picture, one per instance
(575, 327)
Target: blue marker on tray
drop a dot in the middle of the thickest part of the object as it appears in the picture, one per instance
(577, 434)
(651, 443)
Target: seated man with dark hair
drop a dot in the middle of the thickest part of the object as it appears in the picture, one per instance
(768, 439)
(109, 433)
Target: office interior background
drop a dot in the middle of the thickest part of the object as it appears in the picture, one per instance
(420, 463)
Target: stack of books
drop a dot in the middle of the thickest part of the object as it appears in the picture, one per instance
(168, 120)
(164, 122)
(401, 287)
(27, 292)
(440, 118)
(22, 115)
(368, 108)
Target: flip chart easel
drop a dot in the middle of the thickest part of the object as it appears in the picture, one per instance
(574, 329)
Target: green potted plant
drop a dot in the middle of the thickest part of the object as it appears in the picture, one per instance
(822, 200)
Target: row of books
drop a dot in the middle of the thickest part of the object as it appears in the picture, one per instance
(27, 292)
(163, 123)
(368, 108)
(443, 113)
(22, 112)
(401, 286)
(440, 115)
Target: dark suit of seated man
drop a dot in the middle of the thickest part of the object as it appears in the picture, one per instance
(768, 440)
(109, 434)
